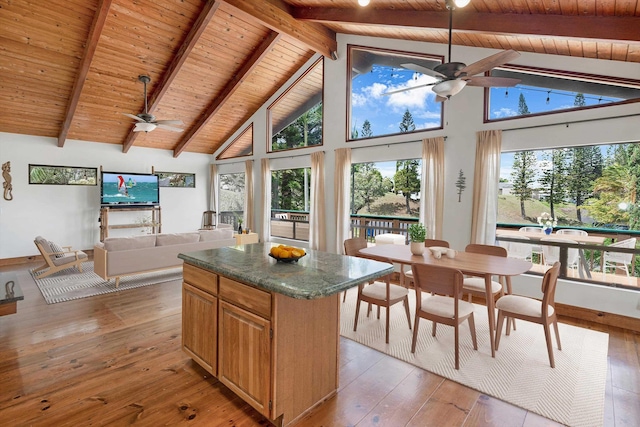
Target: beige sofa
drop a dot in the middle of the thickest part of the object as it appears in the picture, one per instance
(122, 256)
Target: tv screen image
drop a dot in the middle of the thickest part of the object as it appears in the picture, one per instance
(129, 189)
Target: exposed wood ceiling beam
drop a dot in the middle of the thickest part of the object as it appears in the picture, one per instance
(89, 51)
(609, 28)
(229, 88)
(205, 16)
(276, 15)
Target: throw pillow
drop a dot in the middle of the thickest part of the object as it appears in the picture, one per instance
(56, 248)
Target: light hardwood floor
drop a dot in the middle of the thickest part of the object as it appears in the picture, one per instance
(116, 360)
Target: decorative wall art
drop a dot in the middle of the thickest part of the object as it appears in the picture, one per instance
(176, 179)
(460, 184)
(8, 188)
(62, 175)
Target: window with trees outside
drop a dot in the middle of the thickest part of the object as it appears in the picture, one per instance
(231, 198)
(290, 189)
(296, 116)
(549, 91)
(387, 97)
(384, 192)
(592, 188)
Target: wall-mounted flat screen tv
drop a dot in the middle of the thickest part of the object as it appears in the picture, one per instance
(121, 188)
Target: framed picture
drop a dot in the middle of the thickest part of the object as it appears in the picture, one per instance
(177, 179)
(62, 175)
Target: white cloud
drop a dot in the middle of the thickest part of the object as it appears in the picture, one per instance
(504, 112)
(358, 100)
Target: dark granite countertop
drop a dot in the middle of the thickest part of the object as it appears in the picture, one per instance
(316, 275)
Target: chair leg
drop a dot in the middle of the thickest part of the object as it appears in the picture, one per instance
(555, 328)
(547, 336)
(406, 309)
(499, 327)
(355, 322)
(415, 333)
(472, 329)
(457, 337)
(386, 322)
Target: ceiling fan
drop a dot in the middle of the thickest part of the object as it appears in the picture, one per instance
(454, 76)
(147, 122)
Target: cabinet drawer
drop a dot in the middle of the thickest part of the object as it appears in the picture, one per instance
(200, 278)
(247, 297)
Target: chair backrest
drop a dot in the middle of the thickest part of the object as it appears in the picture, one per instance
(533, 229)
(549, 282)
(519, 250)
(436, 242)
(486, 249)
(620, 257)
(552, 253)
(571, 231)
(438, 280)
(353, 245)
(44, 247)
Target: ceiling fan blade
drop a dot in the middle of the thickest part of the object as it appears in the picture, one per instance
(169, 122)
(486, 81)
(171, 128)
(489, 62)
(133, 117)
(409, 88)
(423, 70)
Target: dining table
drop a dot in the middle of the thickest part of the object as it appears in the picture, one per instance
(583, 269)
(468, 263)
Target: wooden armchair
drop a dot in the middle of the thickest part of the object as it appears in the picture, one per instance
(57, 258)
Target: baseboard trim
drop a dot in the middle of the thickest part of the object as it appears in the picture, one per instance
(599, 317)
(6, 262)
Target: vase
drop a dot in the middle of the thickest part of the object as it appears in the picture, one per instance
(547, 230)
(240, 229)
(417, 248)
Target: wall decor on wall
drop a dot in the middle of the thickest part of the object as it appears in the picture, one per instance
(177, 179)
(8, 188)
(62, 175)
(460, 184)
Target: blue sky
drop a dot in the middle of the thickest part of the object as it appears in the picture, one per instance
(384, 112)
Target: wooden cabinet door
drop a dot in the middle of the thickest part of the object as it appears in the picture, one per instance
(200, 326)
(244, 355)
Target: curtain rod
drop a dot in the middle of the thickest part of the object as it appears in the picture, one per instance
(297, 155)
(570, 122)
(387, 144)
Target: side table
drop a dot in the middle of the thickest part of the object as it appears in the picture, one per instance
(10, 294)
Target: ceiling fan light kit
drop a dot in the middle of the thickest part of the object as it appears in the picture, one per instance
(448, 88)
(147, 122)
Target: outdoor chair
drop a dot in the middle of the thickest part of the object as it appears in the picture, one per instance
(57, 258)
(614, 259)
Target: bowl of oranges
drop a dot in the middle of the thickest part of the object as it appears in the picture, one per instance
(285, 253)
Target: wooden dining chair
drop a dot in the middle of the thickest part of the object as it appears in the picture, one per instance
(533, 310)
(445, 306)
(475, 286)
(352, 248)
(408, 274)
(382, 293)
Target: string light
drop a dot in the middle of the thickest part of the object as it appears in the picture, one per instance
(506, 93)
(548, 93)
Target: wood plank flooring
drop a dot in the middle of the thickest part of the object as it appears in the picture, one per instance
(116, 360)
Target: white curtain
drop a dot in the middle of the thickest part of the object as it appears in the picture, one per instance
(485, 187)
(248, 198)
(213, 189)
(432, 186)
(266, 200)
(342, 180)
(317, 220)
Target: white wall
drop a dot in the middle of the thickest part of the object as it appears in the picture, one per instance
(463, 118)
(69, 215)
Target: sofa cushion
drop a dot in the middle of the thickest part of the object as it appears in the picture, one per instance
(56, 248)
(208, 235)
(44, 243)
(127, 243)
(176, 239)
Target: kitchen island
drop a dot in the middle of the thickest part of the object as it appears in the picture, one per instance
(269, 330)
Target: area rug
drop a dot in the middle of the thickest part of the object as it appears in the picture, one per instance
(572, 393)
(70, 284)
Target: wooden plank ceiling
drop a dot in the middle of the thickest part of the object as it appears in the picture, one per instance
(70, 68)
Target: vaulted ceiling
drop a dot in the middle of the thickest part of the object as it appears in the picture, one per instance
(70, 67)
